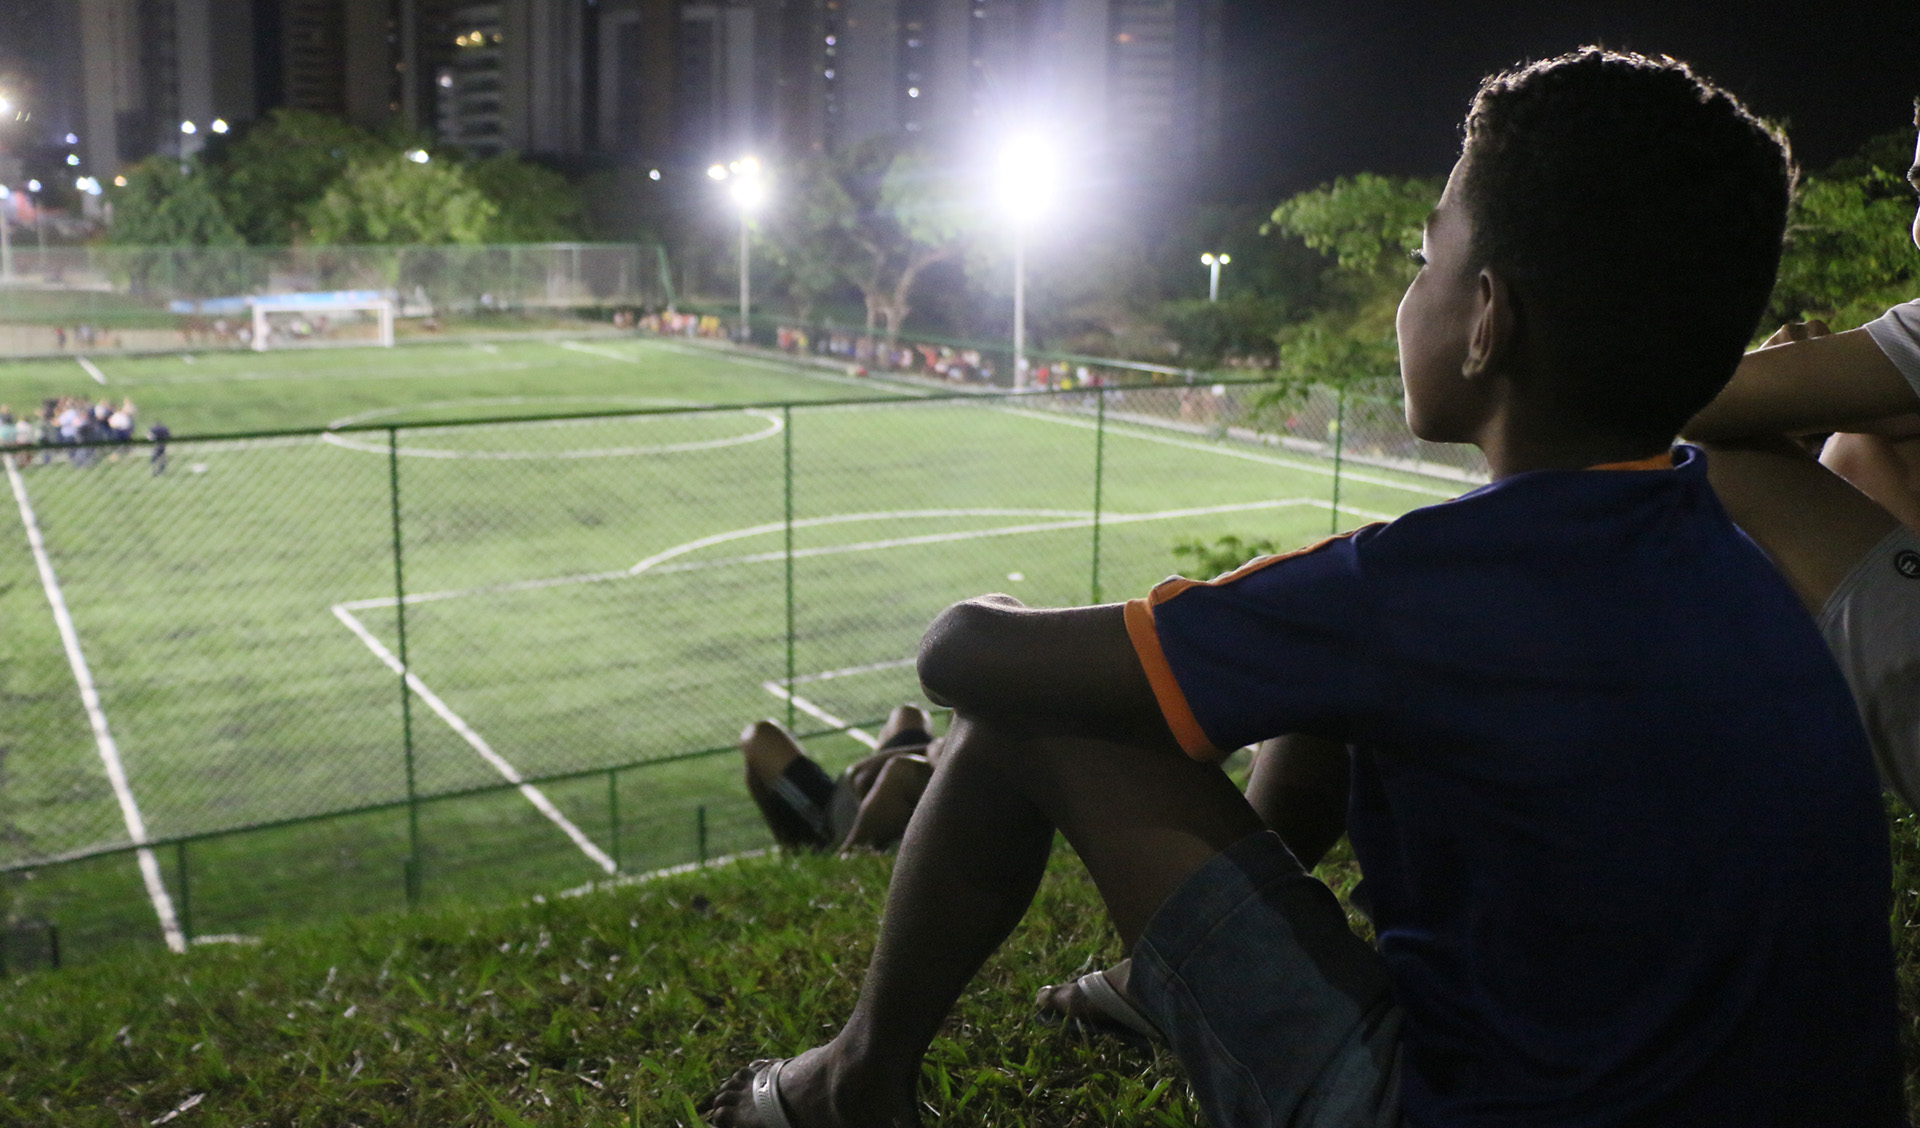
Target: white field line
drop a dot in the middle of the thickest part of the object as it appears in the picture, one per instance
(627, 879)
(478, 743)
(1321, 469)
(93, 370)
(816, 712)
(790, 368)
(97, 717)
(657, 563)
(850, 671)
(576, 346)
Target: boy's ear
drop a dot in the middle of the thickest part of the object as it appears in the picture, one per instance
(1495, 326)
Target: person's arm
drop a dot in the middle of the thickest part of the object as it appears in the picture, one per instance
(1804, 381)
(1070, 671)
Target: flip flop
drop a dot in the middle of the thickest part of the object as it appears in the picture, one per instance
(766, 1093)
(1110, 1012)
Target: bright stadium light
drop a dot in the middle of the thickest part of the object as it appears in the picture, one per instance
(418, 156)
(748, 192)
(653, 174)
(219, 125)
(189, 128)
(1213, 264)
(1027, 173)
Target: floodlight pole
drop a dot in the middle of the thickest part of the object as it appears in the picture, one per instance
(6, 243)
(1213, 283)
(1019, 306)
(746, 291)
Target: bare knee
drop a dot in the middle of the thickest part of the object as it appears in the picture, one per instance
(768, 749)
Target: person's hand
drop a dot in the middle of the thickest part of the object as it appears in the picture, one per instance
(1797, 331)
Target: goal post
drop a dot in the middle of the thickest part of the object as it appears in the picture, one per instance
(320, 305)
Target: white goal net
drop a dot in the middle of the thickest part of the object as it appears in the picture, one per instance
(344, 317)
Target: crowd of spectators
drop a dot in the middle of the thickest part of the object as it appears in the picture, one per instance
(85, 428)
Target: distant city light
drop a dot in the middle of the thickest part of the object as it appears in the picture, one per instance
(718, 172)
(219, 125)
(73, 160)
(829, 72)
(33, 185)
(831, 40)
(188, 127)
(72, 140)
(913, 91)
(418, 156)
(119, 182)
(653, 174)
(88, 185)
(446, 82)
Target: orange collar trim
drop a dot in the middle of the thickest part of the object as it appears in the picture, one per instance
(1661, 461)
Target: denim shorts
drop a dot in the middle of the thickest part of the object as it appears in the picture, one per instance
(1281, 1015)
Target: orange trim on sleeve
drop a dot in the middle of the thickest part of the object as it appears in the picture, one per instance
(1146, 644)
(1661, 461)
(1166, 690)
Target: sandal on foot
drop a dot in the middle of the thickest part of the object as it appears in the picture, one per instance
(1107, 1011)
(766, 1093)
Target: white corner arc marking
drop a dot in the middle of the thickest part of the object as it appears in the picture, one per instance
(97, 718)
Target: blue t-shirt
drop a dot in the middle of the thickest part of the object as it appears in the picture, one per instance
(1614, 808)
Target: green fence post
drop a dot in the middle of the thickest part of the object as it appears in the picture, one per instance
(406, 692)
(613, 813)
(1339, 447)
(186, 890)
(786, 433)
(1099, 480)
(700, 831)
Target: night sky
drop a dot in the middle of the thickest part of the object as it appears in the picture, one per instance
(1317, 89)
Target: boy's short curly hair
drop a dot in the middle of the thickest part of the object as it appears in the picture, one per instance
(1637, 211)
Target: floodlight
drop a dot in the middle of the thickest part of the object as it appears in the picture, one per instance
(33, 185)
(748, 192)
(73, 160)
(188, 127)
(718, 172)
(6, 193)
(1029, 170)
(6, 104)
(653, 174)
(219, 125)
(418, 156)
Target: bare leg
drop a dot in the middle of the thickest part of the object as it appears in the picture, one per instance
(1142, 821)
(889, 803)
(1298, 786)
(768, 750)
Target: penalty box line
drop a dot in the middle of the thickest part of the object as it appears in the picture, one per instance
(103, 739)
(478, 743)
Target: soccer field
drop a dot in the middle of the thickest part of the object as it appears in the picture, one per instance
(581, 594)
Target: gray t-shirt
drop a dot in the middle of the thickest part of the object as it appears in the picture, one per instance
(1872, 620)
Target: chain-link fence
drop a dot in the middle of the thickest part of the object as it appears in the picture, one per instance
(302, 674)
(103, 298)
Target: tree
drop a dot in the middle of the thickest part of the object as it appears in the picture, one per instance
(394, 199)
(170, 204)
(270, 178)
(1849, 253)
(806, 236)
(1367, 224)
(877, 215)
(166, 205)
(533, 204)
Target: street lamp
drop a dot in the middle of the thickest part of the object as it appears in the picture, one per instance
(39, 224)
(1213, 263)
(6, 240)
(749, 192)
(1027, 168)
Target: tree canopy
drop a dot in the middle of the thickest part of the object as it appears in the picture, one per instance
(394, 199)
(299, 176)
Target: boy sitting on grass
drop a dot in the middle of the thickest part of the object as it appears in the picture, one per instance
(1611, 798)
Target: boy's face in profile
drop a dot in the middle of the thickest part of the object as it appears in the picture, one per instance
(1435, 324)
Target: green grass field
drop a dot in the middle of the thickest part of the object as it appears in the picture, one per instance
(582, 593)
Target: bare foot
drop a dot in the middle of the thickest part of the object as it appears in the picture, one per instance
(806, 1096)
